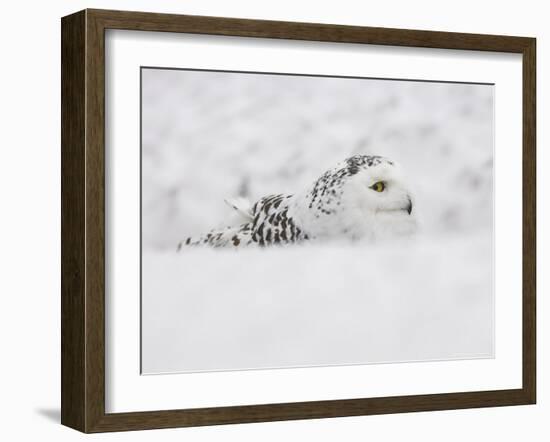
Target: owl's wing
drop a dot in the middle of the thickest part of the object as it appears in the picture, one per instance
(267, 222)
(229, 237)
(272, 223)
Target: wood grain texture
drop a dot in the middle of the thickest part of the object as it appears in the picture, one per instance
(145, 21)
(83, 220)
(95, 221)
(308, 410)
(529, 220)
(73, 129)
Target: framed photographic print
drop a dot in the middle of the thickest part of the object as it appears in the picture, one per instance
(269, 220)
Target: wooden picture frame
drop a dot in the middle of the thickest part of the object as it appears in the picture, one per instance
(83, 220)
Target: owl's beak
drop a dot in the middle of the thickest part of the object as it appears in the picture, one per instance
(409, 207)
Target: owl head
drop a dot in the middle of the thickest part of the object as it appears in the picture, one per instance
(365, 196)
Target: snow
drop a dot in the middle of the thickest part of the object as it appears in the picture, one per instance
(210, 136)
(317, 305)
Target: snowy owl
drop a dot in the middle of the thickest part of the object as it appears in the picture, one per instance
(363, 197)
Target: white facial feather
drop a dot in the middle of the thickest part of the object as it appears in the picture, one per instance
(351, 208)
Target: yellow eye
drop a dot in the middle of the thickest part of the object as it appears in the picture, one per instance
(378, 187)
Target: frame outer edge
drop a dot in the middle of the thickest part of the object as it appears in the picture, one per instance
(73, 133)
(94, 158)
(529, 221)
(83, 221)
(197, 24)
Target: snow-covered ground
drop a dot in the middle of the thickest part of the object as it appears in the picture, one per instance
(208, 136)
(314, 305)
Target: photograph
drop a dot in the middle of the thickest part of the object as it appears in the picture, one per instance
(292, 220)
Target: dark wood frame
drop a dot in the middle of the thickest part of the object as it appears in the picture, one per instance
(83, 219)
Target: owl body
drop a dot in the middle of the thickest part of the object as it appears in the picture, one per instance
(363, 197)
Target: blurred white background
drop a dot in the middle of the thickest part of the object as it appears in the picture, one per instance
(212, 135)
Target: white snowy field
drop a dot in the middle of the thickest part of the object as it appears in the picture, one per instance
(207, 136)
(428, 299)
